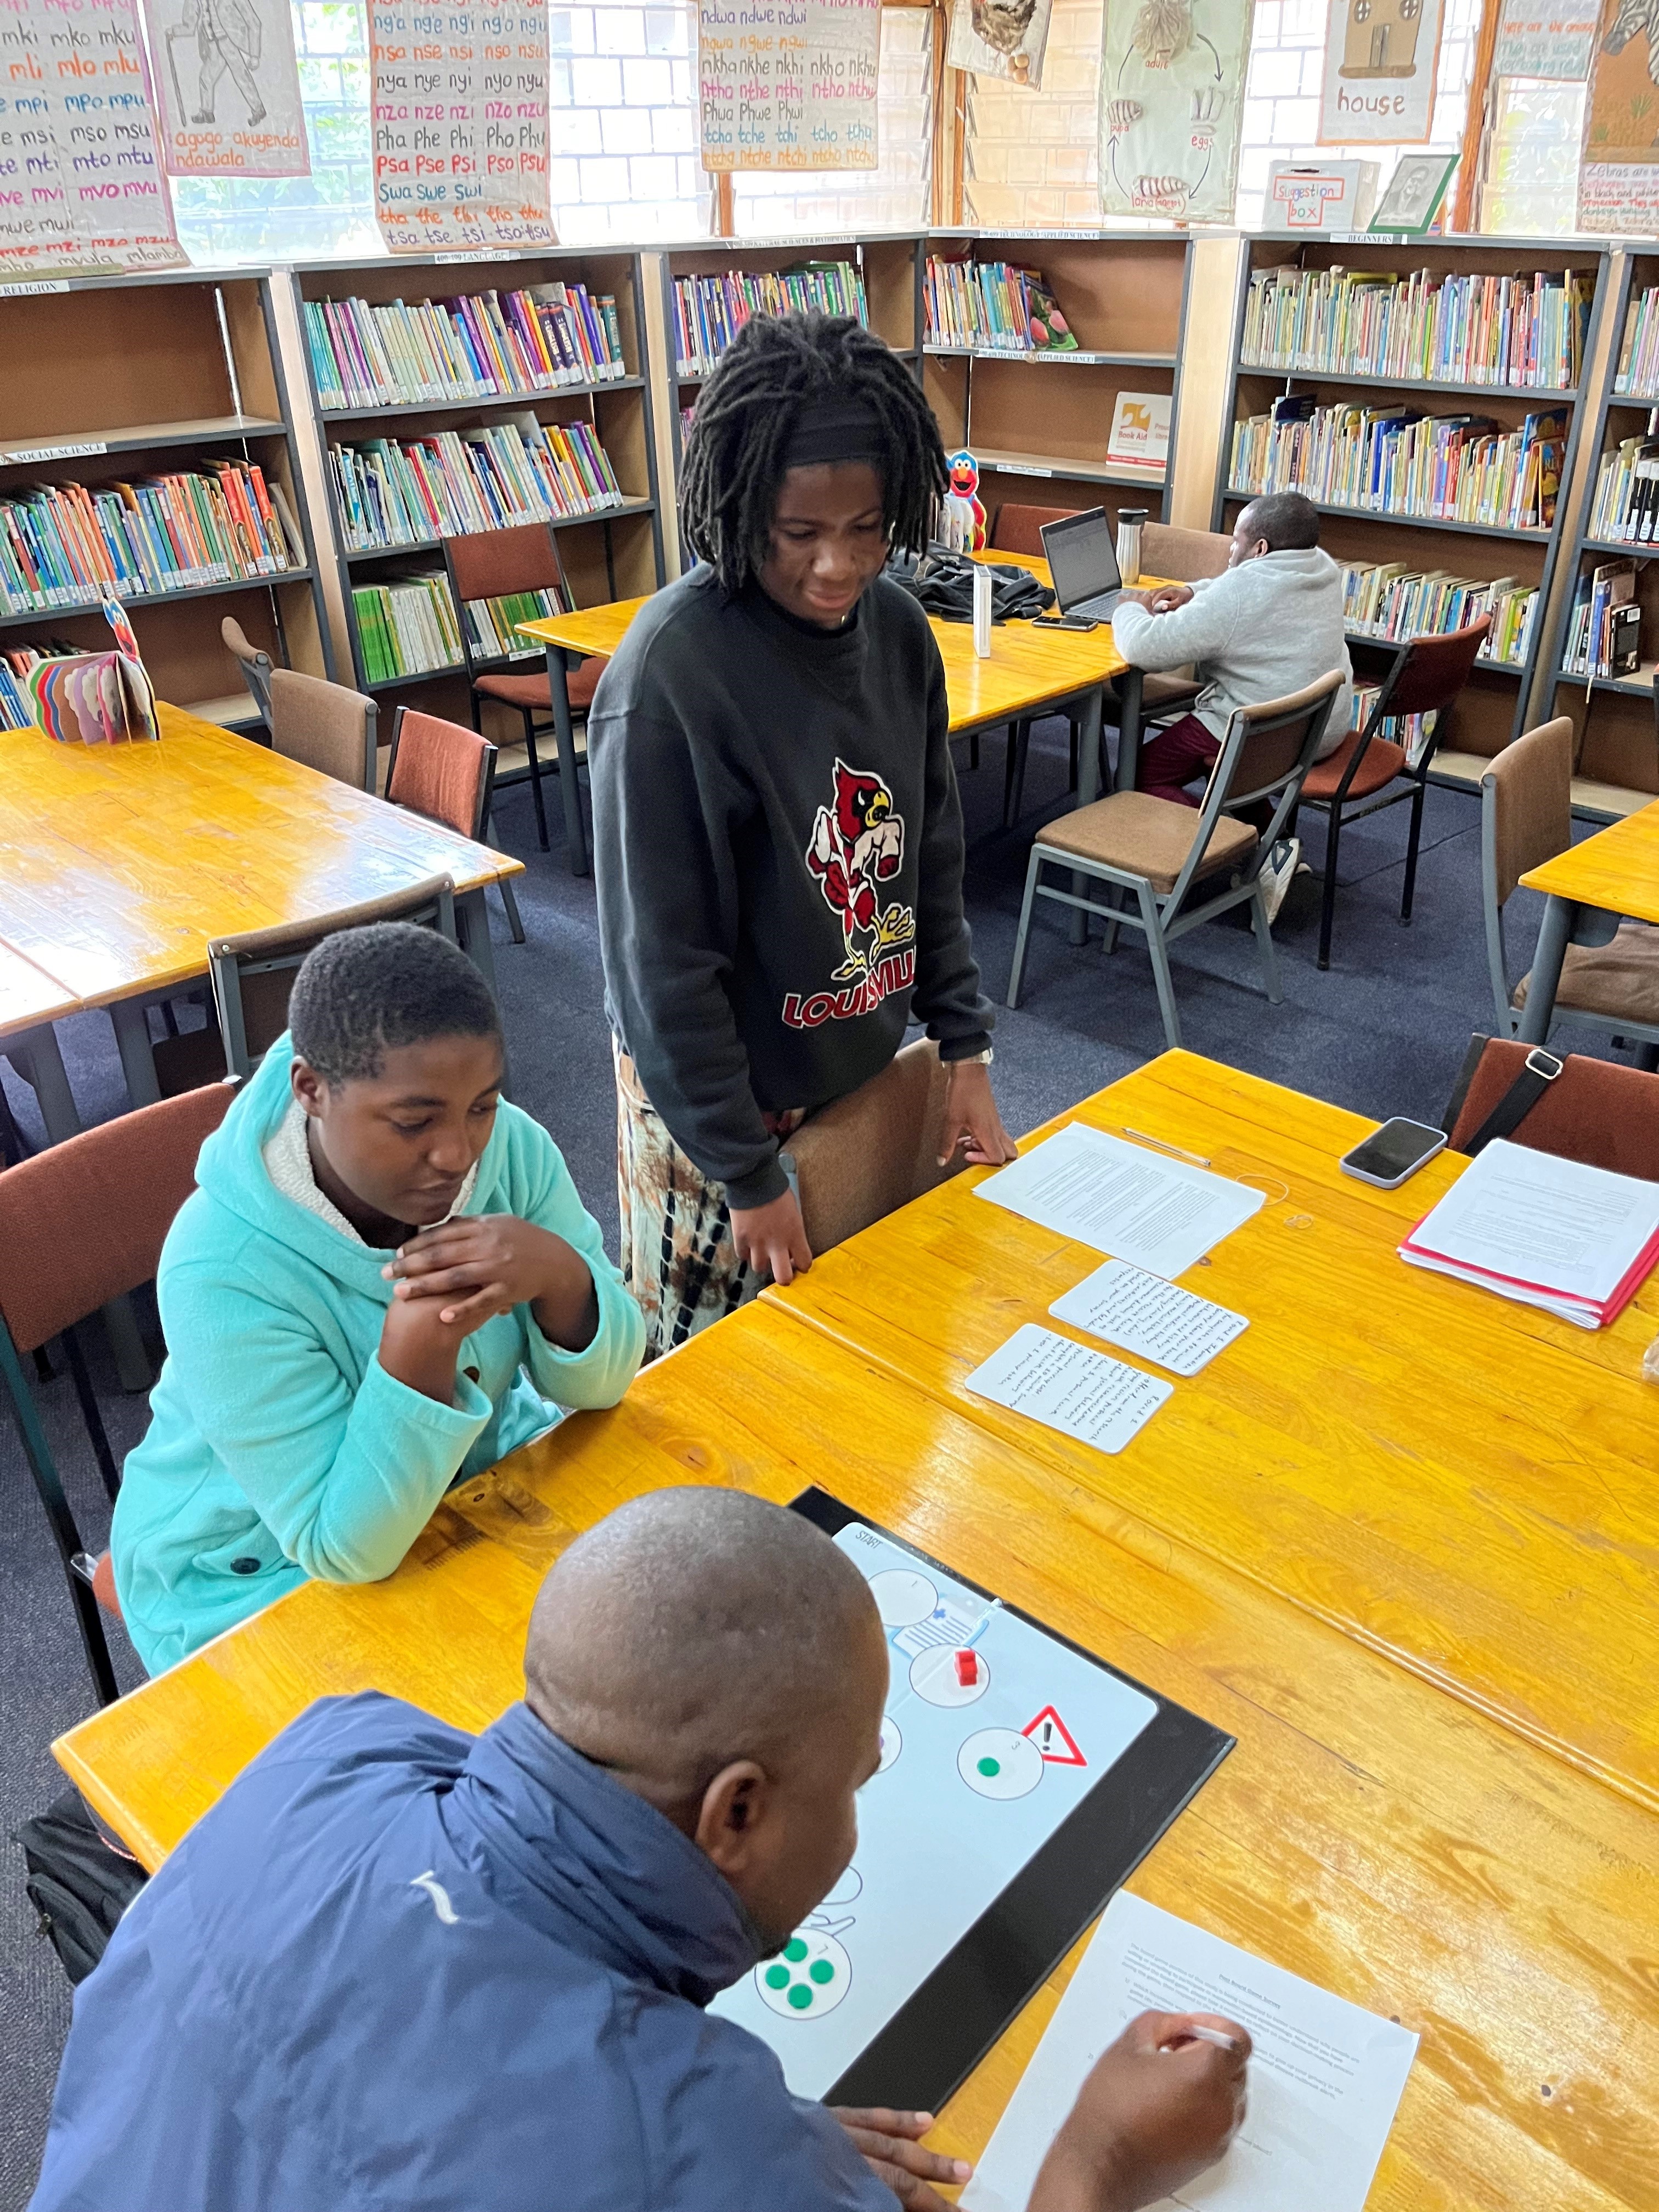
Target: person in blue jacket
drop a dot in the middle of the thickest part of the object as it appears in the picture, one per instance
(384, 1281)
(400, 1969)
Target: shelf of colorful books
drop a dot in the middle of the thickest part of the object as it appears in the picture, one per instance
(1109, 306)
(1239, 496)
(455, 399)
(147, 454)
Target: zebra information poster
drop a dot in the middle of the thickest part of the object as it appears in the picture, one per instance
(228, 87)
(460, 124)
(82, 186)
(1619, 172)
(788, 84)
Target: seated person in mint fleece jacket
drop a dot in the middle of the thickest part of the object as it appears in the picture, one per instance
(396, 1968)
(384, 1280)
(777, 834)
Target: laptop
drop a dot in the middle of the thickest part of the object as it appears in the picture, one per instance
(1082, 556)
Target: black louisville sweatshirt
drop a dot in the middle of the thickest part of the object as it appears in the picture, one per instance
(778, 851)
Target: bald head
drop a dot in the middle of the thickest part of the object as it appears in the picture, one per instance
(694, 1627)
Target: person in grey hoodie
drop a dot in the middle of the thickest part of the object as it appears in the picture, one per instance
(1271, 623)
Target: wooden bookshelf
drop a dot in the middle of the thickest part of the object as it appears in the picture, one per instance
(1494, 706)
(614, 552)
(889, 261)
(111, 379)
(1616, 739)
(1039, 423)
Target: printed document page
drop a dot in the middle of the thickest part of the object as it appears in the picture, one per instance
(1155, 1213)
(1064, 1385)
(1155, 1320)
(1325, 2078)
(1552, 1223)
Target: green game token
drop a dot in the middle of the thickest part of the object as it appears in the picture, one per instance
(777, 1978)
(987, 1767)
(800, 1996)
(821, 1971)
(794, 1950)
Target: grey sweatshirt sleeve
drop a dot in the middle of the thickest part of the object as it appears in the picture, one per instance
(1199, 631)
(668, 924)
(947, 996)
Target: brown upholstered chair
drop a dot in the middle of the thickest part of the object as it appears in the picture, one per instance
(253, 976)
(1019, 529)
(1596, 1110)
(82, 1223)
(495, 564)
(1182, 556)
(1368, 771)
(1184, 865)
(324, 726)
(874, 1151)
(1526, 819)
(447, 774)
(255, 664)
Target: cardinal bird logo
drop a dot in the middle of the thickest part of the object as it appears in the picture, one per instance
(858, 845)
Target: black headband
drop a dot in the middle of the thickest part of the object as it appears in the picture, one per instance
(833, 430)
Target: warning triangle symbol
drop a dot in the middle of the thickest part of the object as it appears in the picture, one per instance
(1054, 1740)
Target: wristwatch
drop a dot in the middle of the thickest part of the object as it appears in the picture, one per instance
(975, 1059)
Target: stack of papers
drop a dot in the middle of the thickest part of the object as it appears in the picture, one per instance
(1577, 1241)
(1155, 1213)
(1324, 2083)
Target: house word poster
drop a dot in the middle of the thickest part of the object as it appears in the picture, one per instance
(1381, 57)
(460, 124)
(82, 186)
(1619, 173)
(1171, 106)
(1000, 38)
(788, 84)
(228, 87)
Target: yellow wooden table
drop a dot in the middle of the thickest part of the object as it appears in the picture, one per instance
(121, 862)
(1383, 1840)
(1028, 671)
(1614, 872)
(1463, 1484)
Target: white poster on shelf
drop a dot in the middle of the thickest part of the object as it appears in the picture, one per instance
(460, 124)
(1552, 43)
(1380, 60)
(788, 84)
(82, 186)
(1171, 106)
(1619, 168)
(1000, 38)
(227, 87)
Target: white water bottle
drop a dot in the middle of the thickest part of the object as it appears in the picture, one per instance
(982, 611)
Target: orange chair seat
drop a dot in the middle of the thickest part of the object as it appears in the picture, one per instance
(1383, 761)
(534, 691)
(103, 1585)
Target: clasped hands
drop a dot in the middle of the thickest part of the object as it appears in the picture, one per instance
(448, 1280)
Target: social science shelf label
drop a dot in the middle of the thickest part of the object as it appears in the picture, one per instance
(996, 1734)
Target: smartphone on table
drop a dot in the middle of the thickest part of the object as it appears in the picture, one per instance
(1394, 1153)
(1063, 622)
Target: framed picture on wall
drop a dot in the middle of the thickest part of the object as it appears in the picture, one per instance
(1411, 199)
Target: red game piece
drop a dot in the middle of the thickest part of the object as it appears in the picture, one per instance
(967, 1670)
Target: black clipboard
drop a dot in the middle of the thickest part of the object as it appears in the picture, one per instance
(943, 2030)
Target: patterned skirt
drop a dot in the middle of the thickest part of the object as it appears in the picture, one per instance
(677, 1257)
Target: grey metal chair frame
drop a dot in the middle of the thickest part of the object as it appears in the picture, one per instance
(270, 951)
(256, 665)
(1163, 916)
(1595, 926)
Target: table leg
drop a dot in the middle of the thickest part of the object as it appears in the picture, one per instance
(1088, 790)
(570, 791)
(472, 917)
(1554, 934)
(38, 1059)
(1130, 686)
(131, 1023)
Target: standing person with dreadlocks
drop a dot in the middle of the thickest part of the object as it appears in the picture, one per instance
(778, 838)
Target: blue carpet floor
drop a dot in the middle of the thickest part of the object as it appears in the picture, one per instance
(1382, 1032)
